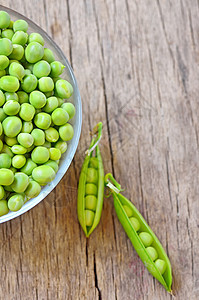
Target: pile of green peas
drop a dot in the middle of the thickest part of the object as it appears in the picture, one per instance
(146, 239)
(34, 117)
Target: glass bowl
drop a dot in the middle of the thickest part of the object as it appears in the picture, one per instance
(67, 157)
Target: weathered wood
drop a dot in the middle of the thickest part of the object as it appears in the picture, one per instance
(136, 63)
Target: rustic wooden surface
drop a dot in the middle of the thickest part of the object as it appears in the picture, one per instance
(136, 63)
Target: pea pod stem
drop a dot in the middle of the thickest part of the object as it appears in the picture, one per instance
(120, 203)
(97, 129)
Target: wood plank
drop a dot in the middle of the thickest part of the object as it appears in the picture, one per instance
(136, 63)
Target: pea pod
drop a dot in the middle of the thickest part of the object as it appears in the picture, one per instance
(89, 203)
(141, 236)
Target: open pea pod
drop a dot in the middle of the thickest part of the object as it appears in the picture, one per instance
(91, 187)
(155, 259)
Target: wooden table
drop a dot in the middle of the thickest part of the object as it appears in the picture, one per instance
(136, 63)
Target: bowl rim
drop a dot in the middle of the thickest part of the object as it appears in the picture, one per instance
(75, 140)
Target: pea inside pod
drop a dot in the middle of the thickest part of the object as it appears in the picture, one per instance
(91, 187)
(141, 235)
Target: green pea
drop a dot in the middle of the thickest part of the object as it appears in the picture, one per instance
(27, 72)
(47, 145)
(34, 52)
(7, 33)
(4, 62)
(5, 161)
(91, 189)
(8, 189)
(10, 141)
(30, 149)
(2, 98)
(11, 96)
(9, 83)
(51, 134)
(18, 161)
(20, 25)
(2, 114)
(38, 136)
(160, 265)
(20, 38)
(2, 192)
(37, 110)
(41, 69)
(20, 182)
(29, 167)
(1, 129)
(46, 84)
(18, 149)
(152, 253)
(27, 112)
(29, 83)
(93, 163)
(5, 47)
(40, 155)
(92, 176)
(49, 94)
(51, 104)
(28, 66)
(90, 202)
(25, 139)
(1, 145)
(15, 202)
(53, 164)
(11, 107)
(6, 176)
(13, 169)
(37, 99)
(42, 120)
(135, 223)
(48, 55)
(56, 68)
(33, 189)
(7, 149)
(36, 37)
(55, 80)
(60, 101)
(89, 217)
(4, 19)
(4, 210)
(22, 96)
(66, 132)
(17, 70)
(63, 88)
(17, 52)
(2, 73)
(69, 108)
(60, 116)
(128, 211)
(27, 127)
(62, 146)
(12, 126)
(55, 153)
(146, 238)
(43, 174)
(11, 24)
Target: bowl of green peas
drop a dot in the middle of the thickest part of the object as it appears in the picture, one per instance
(40, 114)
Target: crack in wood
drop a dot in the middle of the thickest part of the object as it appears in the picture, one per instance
(96, 278)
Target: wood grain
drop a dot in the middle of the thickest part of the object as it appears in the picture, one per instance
(136, 63)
